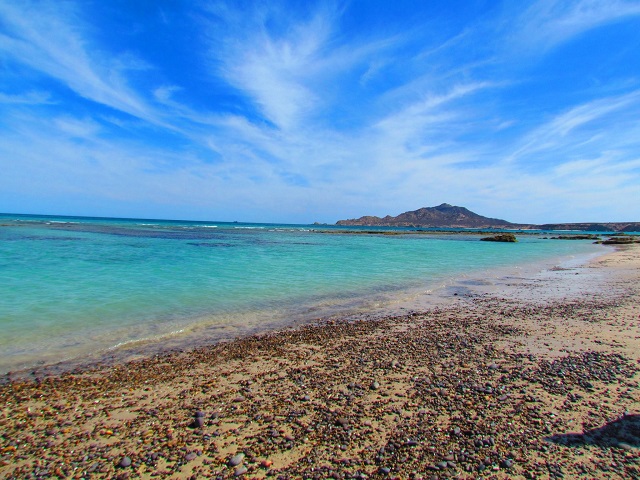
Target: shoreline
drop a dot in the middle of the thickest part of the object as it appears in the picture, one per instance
(540, 380)
(207, 330)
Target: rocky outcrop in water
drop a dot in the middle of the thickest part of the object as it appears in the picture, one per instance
(576, 237)
(618, 240)
(503, 237)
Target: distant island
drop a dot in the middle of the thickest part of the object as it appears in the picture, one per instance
(450, 216)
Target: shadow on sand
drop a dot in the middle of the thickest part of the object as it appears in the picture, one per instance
(622, 433)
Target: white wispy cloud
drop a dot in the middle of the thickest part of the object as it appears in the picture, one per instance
(428, 109)
(273, 67)
(547, 23)
(27, 98)
(77, 127)
(556, 134)
(50, 38)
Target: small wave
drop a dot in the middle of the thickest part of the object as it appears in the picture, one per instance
(146, 339)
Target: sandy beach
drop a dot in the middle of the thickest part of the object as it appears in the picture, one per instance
(535, 379)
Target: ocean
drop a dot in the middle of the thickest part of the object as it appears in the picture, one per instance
(85, 288)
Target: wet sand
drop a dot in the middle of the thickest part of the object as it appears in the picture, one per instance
(534, 378)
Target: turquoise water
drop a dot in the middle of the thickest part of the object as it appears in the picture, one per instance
(74, 286)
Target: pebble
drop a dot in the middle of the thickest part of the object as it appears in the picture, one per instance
(343, 422)
(198, 422)
(507, 463)
(240, 471)
(625, 446)
(190, 456)
(125, 462)
(236, 460)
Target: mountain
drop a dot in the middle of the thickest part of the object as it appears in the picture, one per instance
(445, 216)
(449, 216)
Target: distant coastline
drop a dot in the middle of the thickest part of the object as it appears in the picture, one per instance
(450, 216)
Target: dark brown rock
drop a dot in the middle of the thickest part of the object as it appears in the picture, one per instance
(501, 237)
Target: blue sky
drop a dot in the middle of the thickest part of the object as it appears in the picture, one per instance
(301, 111)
